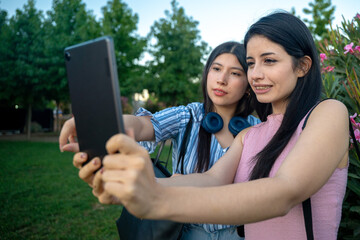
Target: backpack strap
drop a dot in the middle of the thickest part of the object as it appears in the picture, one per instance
(306, 205)
(184, 144)
(308, 219)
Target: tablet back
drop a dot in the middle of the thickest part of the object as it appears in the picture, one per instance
(94, 93)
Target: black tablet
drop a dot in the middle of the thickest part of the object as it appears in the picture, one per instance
(94, 93)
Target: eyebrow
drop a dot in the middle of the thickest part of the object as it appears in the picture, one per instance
(237, 68)
(262, 55)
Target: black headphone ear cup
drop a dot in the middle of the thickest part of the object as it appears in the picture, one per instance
(212, 122)
(237, 124)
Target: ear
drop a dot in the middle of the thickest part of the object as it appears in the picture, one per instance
(304, 66)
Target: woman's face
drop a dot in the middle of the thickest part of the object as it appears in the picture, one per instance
(271, 73)
(226, 81)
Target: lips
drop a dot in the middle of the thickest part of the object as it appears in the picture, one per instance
(261, 88)
(219, 92)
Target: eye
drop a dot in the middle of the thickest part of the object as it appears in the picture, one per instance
(270, 60)
(250, 64)
(215, 69)
(236, 74)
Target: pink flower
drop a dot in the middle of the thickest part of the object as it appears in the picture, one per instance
(357, 48)
(358, 16)
(323, 57)
(357, 135)
(353, 116)
(348, 48)
(327, 69)
(353, 121)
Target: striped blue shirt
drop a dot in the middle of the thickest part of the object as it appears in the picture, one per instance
(171, 123)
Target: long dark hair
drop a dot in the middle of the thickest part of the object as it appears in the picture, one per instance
(292, 34)
(243, 109)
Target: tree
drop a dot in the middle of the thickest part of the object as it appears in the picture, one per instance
(68, 23)
(5, 56)
(120, 23)
(322, 13)
(178, 53)
(25, 60)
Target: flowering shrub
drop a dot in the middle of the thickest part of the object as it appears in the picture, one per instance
(340, 62)
(356, 127)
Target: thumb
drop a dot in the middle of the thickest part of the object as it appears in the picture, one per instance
(70, 147)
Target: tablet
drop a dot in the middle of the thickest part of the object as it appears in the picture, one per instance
(94, 93)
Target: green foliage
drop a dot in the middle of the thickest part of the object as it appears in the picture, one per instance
(33, 46)
(24, 60)
(24, 63)
(340, 63)
(32, 69)
(322, 13)
(175, 72)
(68, 23)
(126, 106)
(5, 57)
(153, 105)
(120, 23)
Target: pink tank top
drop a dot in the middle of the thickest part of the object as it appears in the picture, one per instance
(326, 204)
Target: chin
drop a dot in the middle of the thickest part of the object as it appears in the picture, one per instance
(263, 99)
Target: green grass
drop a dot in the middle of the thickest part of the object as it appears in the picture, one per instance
(42, 197)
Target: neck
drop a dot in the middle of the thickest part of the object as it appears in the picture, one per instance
(279, 107)
(226, 113)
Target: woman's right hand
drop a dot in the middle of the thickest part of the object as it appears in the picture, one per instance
(86, 172)
(67, 138)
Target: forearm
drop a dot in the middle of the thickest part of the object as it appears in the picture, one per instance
(142, 126)
(231, 204)
(195, 180)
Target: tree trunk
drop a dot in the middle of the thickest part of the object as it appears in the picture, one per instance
(28, 121)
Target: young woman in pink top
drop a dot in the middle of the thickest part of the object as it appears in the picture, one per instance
(275, 165)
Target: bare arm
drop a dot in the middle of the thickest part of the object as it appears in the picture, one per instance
(142, 126)
(321, 148)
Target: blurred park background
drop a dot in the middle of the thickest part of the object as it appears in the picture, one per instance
(41, 196)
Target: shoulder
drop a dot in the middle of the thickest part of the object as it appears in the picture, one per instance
(329, 116)
(197, 110)
(241, 136)
(195, 106)
(333, 103)
(330, 109)
(182, 113)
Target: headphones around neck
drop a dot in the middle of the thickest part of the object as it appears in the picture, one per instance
(212, 123)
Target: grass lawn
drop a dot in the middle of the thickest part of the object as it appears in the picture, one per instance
(42, 197)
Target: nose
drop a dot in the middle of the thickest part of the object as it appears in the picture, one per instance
(222, 79)
(255, 73)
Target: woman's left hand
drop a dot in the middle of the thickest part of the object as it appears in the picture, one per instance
(128, 176)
